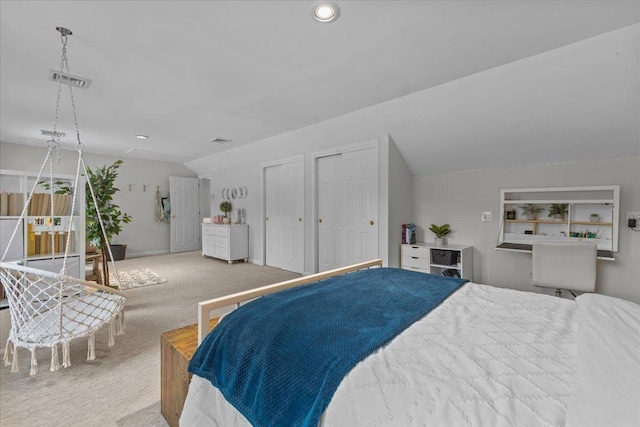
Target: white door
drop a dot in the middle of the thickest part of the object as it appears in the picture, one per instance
(185, 215)
(347, 208)
(284, 207)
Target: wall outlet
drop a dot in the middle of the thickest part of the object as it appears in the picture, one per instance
(636, 216)
(487, 216)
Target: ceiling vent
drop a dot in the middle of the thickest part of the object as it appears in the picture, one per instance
(69, 79)
(52, 133)
(219, 140)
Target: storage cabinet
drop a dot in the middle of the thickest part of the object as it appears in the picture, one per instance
(41, 239)
(592, 214)
(227, 242)
(449, 260)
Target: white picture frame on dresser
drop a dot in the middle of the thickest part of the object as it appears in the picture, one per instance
(425, 258)
(229, 242)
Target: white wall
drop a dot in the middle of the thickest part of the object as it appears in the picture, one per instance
(143, 235)
(396, 183)
(249, 175)
(460, 198)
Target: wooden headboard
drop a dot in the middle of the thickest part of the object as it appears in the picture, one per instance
(205, 307)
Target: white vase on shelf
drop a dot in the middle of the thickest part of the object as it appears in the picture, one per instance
(442, 241)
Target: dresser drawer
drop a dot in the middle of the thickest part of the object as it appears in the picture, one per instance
(415, 251)
(221, 252)
(208, 240)
(221, 231)
(208, 230)
(417, 262)
(221, 242)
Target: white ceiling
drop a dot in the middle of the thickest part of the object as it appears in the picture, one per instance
(458, 85)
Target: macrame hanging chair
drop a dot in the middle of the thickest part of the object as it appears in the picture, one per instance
(51, 308)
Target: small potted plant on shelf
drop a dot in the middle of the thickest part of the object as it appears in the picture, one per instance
(594, 217)
(558, 210)
(531, 210)
(441, 231)
(225, 207)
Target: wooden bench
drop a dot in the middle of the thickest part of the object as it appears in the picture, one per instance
(176, 349)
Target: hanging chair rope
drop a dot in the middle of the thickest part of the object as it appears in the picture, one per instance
(48, 308)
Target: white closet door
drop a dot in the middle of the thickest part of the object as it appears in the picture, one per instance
(347, 208)
(185, 215)
(284, 207)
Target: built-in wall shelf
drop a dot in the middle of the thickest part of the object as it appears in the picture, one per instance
(592, 214)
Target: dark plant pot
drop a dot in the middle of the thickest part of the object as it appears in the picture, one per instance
(118, 252)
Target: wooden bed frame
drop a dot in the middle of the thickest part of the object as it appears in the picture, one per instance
(205, 307)
(179, 345)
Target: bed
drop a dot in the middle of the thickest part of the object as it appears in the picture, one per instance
(482, 356)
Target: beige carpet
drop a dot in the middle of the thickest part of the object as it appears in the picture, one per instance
(122, 386)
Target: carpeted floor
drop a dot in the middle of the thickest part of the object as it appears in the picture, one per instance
(122, 386)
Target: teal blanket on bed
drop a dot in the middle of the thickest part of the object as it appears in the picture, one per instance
(280, 358)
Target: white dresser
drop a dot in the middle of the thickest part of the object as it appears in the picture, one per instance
(227, 242)
(428, 258)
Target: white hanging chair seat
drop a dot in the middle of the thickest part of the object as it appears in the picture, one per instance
(49, 308)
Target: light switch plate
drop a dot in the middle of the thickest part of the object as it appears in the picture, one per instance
(487, 216)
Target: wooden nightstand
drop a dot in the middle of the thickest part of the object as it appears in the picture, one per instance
(176, 349)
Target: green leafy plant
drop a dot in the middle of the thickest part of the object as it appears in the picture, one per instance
(440, 231)
(531, 209)
(60, 187)
(103, 182)
(559, 209)
(225, 207)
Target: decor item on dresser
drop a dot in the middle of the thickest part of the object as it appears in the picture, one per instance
(531, 210)
(226, 207)
(558, 210)
(441, 231)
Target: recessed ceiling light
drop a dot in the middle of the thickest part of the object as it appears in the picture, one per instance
(142, 137)
(325, 11)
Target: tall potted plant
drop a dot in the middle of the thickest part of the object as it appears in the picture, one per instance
(103, 180)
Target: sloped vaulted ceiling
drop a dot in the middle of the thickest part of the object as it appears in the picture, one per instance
(459, 85)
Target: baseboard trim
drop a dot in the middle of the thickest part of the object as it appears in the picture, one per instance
(141, 254)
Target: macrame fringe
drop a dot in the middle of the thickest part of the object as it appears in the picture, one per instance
(120, 323)
(66, 355)
(7, 349)
(91, 351)
(34, 363)
(14, 360)
(112, 327)
(55, 363)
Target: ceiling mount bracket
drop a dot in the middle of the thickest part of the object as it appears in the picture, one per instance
(64, 31)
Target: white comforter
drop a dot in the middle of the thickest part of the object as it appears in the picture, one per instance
(486, 357)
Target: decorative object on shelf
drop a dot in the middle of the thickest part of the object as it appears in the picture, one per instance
(225, 207)
(558, 210)
(241, 216)
(408, 233)
(102, 228)
(594, 217)
(441, 232)
(531, 210)
(49, 308)
(511, 214)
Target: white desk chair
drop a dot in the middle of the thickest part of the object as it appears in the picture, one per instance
(564, 265)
